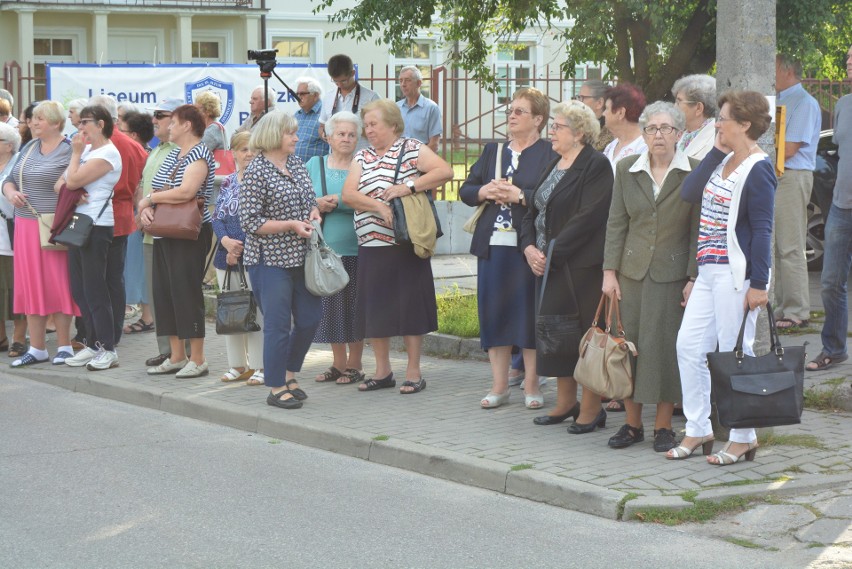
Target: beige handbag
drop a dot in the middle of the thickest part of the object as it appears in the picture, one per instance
(604, 364)
(470, 224)
(45, 220)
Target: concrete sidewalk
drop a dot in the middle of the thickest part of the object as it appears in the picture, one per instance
(442, 431)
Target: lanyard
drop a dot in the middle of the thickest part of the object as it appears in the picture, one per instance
(354, 102)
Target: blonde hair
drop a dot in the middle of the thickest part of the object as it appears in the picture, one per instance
(266, 134)
(389, 111)
(51, 111)
(539, 103)
(209, 104)
(240, 138)
(580, 118)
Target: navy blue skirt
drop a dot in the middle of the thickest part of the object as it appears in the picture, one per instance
(506, 297)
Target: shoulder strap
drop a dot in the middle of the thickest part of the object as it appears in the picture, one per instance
(322, 175)
(399, 160)
(544, 281)
(498, 165)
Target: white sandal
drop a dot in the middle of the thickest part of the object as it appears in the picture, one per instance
(232, 374)
(494, 400)
(725, 458)
(534, 401)
(256, 378)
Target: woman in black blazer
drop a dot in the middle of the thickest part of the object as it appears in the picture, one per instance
(570, 207)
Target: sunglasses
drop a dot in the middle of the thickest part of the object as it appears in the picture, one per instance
(161, 115)
(86, 121)
(517, 111)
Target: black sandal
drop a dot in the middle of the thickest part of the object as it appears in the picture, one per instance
(352, 375)
(296, 391)
(374, 384)
(139, 326)
(417, 386)
(330, 375)
(275, 399)
(824, 361)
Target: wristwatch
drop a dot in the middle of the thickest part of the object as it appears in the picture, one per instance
(410, 185)
(520, 196)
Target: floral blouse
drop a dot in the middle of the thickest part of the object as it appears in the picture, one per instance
(267, 194)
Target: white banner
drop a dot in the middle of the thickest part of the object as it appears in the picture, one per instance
(145, 85)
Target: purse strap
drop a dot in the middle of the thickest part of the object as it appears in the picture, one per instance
(226, 284)
(498, 164)
(773, 334)
(21, 180)
(399, 160)
(544, 281)
(613, 305)
(322, 175)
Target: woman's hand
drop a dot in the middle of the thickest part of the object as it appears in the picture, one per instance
(147, 216)
(396, 191)
(232, 259)
(507, 193)
(535, 259)
(756, 298)
(315, 214)
(386, 213)
(302, 228)
(16, 198)
(78, 143)
(610, 284)
(489, 192)
(84, 198)
(687, 290)
(233, 246)
(327, 203)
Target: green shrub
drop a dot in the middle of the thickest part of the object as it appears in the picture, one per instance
(457, 314)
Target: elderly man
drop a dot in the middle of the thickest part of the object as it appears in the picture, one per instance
(257, 107)
(310, 142)
(350, 95)
(422, 117)
(803, 122)
(837, 259)
(591, 94)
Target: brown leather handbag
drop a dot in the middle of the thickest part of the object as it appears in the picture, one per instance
(177, 220)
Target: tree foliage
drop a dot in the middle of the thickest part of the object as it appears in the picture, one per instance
(650, 43)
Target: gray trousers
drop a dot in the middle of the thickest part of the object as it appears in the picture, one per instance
(790, 268)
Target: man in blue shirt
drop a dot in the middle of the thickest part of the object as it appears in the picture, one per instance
(310, 143)
(422, 116)
(803, 122)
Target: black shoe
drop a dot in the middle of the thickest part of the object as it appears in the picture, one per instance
(664, 440)
(157, 360)
(627, 436)
(573, 412)
(275, 399)
(296, 391)
(581, 429)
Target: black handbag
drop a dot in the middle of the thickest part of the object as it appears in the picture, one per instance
(236, 310)
(557, 334)
(762, 391)
(400, 226)
(76, 232)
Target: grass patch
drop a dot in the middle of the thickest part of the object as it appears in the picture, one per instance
(689, 495)
(749, 482)
(457, 314)
(798, 331)
(274, 442)
(824, 399)
(835, 382)
(623, 502)
(817, 314)
(701, 511)
(815, 544)
(743, 542)
(381, 438)
(767, 438)
(795, 469)
(516, 467)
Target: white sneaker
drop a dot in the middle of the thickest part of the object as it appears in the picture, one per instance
(81, 358)
(192, 369)
(167, 367)
(103, 360)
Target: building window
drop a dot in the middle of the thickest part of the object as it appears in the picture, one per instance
(294, 50)
(50, 50)
(513, 71)
(205, 50)
(419, 54)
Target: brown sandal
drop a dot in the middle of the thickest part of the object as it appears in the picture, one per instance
(17, 349)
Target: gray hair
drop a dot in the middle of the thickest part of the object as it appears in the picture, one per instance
(271, 94)
(698, 89)
(128, 107)
(77, 104)
(266, 134)
(663, 108)
(10, 134)
(789, 63)
(597, 87)
(580, 118)
(342, 116)
(4, 94)
(414, 71)
(312, 84)
(108, 102)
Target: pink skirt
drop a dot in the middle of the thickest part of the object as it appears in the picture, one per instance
(42, 284)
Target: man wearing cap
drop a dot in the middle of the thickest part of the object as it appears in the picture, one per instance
(257, 106)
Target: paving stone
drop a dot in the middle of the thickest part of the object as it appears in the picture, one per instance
(826, 530)
(644, 503)
(838, 508)
(770, 519)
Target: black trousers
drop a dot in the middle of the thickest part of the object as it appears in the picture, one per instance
(87, 268)
(178, 278)
(115, 282)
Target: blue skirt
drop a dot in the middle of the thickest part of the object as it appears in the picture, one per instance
(506, 296)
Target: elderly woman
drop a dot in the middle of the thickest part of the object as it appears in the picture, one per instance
(505, 285)
(10, 141)
(328, 173)
(41, 285)
(396, 291)
(122, 109)
(74, 108)
(245, 351)
(593, 95)
(211, 107)
(186, 174)
(277, 205)
(649, 264)
(695, 96)
(623, 106)
(95, 167)
(735, 186)
(25, 123)
(569, 209)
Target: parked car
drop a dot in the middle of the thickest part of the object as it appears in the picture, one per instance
(824, 176)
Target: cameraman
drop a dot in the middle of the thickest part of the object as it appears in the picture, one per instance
(257, 105)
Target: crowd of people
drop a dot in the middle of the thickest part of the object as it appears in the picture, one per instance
(668, 207)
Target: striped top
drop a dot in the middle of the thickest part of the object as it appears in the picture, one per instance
(377, 175)
(713, 226)
(40, 174)
(178, 166)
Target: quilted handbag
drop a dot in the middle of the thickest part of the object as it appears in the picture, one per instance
(758, 391)
(236, 310)
(325, 274)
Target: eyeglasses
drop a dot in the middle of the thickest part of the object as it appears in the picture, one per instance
(653, 130)
(86, 121)
(556, 127)
(517, 111)
(582, 98)
(302, 93)
(685, 102)
(162, 115)
(720, 118)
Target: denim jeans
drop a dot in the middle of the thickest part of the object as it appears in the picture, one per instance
(836, 262)
(282, 298)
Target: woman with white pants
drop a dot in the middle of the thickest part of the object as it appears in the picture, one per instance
(245, 351)
(735, 185)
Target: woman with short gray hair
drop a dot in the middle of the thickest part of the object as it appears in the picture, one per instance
(695, 96)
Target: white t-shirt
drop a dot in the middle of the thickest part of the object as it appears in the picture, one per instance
(100, 190)
(8, 210)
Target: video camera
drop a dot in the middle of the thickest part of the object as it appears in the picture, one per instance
(262, 54)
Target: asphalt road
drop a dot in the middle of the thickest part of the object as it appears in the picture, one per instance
(88, 483)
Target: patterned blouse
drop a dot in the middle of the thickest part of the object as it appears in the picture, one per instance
(226, 218)
(715, 211)
(377, 175)
(267, 194)
(173, 168)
